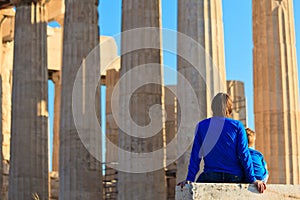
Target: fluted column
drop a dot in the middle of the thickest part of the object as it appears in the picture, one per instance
(6, 94)
(28, 175)
(276, 99)
(170, 134)
(80, 173)
(237, 93)
(56, 78)
(139, 14)
(2, 18)
(111, 175)
(112, 77)
(201, 21)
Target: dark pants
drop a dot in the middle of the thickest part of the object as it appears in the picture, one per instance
(219, 177)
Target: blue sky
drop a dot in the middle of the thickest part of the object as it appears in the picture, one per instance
(237, 19)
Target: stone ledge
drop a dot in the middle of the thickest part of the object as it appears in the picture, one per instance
(227, 191)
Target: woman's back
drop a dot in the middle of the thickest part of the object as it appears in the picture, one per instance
(220, 137)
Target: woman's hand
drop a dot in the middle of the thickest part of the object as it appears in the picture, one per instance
(261, 186)
(183, 183)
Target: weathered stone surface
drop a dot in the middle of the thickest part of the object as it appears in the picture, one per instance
(207, 191)
(111, 177)
(8, 24)
(201, 21)
(236, 91)
(54, 185)
(5, 4)
(27, 2)
(6, 91)
(170, 127)
(80, 173)
(171, 185)
(54, 47)
(6, 64)
(145, 185)
(56, 78)
(56, 11)
(4, 188)
(276, 98)
(28, 173)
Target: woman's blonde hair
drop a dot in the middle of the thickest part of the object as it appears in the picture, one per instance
(221, 105)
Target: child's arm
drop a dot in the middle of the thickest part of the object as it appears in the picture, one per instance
(264, 163)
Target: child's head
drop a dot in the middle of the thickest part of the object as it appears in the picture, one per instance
(251, 137)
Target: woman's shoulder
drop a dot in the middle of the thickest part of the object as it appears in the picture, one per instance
(205, 121)
(221, 121)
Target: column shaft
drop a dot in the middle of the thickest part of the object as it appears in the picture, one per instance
(237, 93)
(28, 175)
(170, 131)
(6, 66)
(276, 99)
(139, 14)
(6, 94)
(111, 174)
(79, 172)
(1, 134)
(56, 78)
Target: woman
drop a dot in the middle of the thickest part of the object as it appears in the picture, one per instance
(222, 143)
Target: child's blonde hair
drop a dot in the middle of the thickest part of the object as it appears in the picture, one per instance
(251, 137)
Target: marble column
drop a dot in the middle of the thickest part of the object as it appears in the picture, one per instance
(56, 78)
(28, 175)
(6, 94)
(236, 91)
(6, 65)
(2, 18)
(201, 21)
(111, 174)
(79, 172)
(276, 98)
(170, 102)
(152, 184)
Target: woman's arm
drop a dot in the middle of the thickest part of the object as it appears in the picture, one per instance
(195, 157)
(244, 154)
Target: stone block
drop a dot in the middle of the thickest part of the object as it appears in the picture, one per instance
(54, 185)
(5, 152)
(5, 167)
(171, 184)
(8, 26)
(229, 191)
(4, 191)
(56, 9)
(54, 42)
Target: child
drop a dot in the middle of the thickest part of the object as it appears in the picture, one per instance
(259, 164)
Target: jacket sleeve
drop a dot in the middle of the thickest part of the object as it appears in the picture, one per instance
(195, 157)
(244, 154)
(264, 163)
